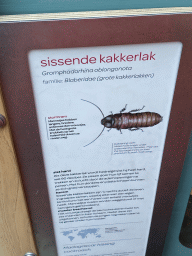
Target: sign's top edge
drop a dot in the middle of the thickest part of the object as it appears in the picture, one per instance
(93, 14)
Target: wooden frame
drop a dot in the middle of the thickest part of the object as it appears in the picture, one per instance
(42, 32)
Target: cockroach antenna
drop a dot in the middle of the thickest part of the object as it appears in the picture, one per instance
(95, 138)
(103, 117)
(95, 106)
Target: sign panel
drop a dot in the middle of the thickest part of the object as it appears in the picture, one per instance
(100, 125)
(103, 114)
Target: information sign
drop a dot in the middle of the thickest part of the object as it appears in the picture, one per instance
(99, 106)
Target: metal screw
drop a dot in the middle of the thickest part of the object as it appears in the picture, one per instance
(30, 254)
(2, 121)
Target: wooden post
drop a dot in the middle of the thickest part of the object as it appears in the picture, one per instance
(15, 230)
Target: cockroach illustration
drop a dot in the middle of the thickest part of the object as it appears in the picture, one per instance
(130, 120)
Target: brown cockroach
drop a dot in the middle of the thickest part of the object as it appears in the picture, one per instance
(130, 120)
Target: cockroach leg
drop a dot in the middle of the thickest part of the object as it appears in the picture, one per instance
(123, 109)
(135, 129)
(135, 110)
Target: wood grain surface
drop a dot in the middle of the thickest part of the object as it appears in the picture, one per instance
(94, 14)
(15, 230)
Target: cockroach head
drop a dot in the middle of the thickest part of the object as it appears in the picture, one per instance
(108, 121)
